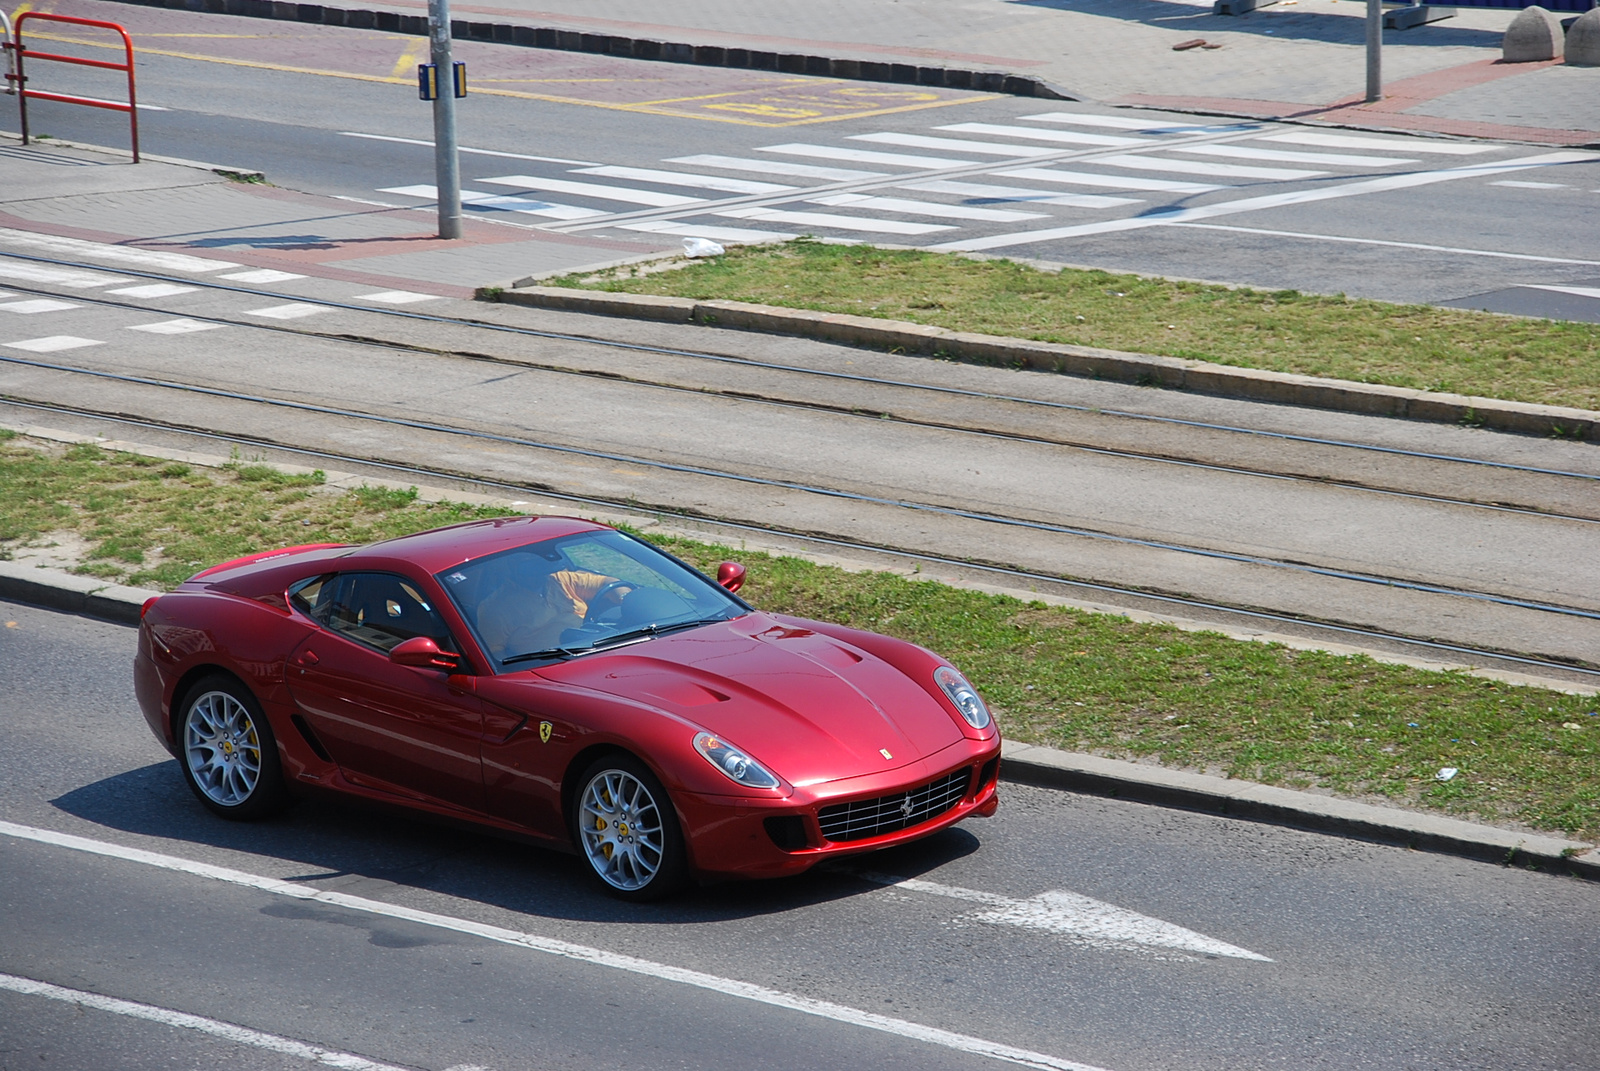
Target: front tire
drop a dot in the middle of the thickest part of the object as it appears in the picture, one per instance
(626, 828)
(227, 751)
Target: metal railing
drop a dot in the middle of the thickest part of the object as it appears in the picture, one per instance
(20, 54)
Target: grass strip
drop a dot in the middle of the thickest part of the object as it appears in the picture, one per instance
(1415, 346)
(1061, 677)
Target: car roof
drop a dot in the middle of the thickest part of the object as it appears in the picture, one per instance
(441, 548)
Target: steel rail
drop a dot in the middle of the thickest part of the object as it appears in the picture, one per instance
(842, 544)
(775, 367)
(826, 492)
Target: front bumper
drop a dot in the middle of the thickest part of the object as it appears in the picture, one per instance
(758, 838)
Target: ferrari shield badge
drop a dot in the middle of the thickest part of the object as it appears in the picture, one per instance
(544, 732)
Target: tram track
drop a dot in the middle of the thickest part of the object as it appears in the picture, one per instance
(1224, 615)
(1545, 502)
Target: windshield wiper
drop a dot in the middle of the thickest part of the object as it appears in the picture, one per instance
(553, 652)
(605, 643)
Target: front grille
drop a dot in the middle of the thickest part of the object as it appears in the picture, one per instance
(861, 819)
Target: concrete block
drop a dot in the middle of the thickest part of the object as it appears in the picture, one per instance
(1533, 36)
(1239, 7)
(1583, 40)
(637, 306)
(1409, 18)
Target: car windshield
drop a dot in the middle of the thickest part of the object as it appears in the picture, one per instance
(567, 597)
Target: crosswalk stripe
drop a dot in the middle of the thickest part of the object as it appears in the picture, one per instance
(36, 305)
(28, 273)
(1069, 137)
(1335, 159)
(696, 230)
(1200, 167)
(923, 141)
(502, 202)
(594, 189)
(292, 311)
(1114, 182)
(922, 208)
(865, 156)
(144, 258)
(154, 290)
(776, 167)
(679, 178)
(1116, 122)
(181, 326)
(1575, 291)
(1018, 193)
(263, 275)
(53, 343)
(1352, 141)
(843, 223)
(396, 297)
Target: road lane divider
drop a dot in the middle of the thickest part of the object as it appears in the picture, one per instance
(241, 1035)
(598, 957)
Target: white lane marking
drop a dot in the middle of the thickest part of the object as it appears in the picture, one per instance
(77, 280)
(1161, 218)
(36, 305)
(595, 956)
(1020, 193)
(1092, 922)
(923, 141)
(1351, 141)
(1332, 159)
(923, 208)
(1115, 182)
(865, 156)
(1576, 291)
(150, 258)
(53, 343)
(775, 167)
(679, 178)
(720, 234)
(594, 189)
(502, 202)
(1397, 245)
(263, 275)
(1514, 184)
(150, 290)
(396, 297)
(240, 1035)
(181, 326)
(1068, 137)
(474, 152)
(1200, 167)
(1118, 122)
(828, 219)
(292, 311)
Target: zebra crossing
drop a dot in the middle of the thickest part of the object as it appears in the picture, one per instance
(972, 185)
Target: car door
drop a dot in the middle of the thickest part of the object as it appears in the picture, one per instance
(409, 729)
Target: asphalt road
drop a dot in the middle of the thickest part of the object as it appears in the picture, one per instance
(1333, 954)
(1484, 225)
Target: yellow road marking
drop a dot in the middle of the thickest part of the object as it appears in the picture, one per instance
(646, 107)
(408, 57)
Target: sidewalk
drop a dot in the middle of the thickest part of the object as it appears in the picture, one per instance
(1301, 59)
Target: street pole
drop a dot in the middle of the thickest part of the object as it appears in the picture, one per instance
(446, 164)
(1374, 50)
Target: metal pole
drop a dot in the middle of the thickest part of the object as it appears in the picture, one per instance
(446, 164)
(1374, 50)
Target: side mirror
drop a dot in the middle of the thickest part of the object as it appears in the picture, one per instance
(422, 651)
(731, 575)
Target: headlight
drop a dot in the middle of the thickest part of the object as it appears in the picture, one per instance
(738, 766)
(963, 695)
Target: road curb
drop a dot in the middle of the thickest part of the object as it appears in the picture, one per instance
(566, 40)
(1046, 767)
(1172, 373)
(238, 174)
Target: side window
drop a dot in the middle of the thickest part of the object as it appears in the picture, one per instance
(376, 609)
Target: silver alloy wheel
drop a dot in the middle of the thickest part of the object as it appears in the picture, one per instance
(620, 826)
(222, 748)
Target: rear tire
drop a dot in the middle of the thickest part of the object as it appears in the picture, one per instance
(626, 828)
(227, 751)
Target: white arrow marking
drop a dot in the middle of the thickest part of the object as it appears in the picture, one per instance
(1078, 918)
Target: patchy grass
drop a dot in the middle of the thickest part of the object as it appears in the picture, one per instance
(1075, 680)
(1417, 346)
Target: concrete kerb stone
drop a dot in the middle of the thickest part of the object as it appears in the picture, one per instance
(1022, 763)
(238, 174)
(1145, 369)
(564, 40)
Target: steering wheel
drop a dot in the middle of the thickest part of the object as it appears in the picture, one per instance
(598, 606)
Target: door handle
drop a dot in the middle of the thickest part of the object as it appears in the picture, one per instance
(307, 657)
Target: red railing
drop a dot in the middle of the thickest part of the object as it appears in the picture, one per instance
(19, 77)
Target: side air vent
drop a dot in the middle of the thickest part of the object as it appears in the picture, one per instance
(310, 737)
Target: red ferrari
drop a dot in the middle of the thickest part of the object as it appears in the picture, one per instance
(563, 681)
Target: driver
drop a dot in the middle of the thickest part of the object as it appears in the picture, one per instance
(529, 610)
